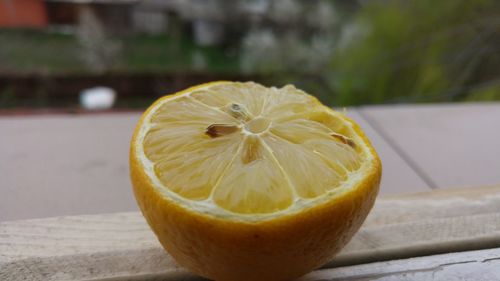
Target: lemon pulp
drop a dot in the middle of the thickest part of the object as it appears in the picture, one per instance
(249, 149)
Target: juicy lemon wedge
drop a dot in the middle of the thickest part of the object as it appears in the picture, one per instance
(221, 163)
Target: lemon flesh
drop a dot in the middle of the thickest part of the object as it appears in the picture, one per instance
(248, 149)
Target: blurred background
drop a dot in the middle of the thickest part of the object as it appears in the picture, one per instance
(54, 53)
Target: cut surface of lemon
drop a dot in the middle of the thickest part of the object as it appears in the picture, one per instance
(244, 182)
(243, 149)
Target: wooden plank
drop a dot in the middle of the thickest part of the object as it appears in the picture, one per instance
(439, 203)
(455, 145)
(398, 177)
(65, 165)
(403, 240)
(121, 245)
(483, 265)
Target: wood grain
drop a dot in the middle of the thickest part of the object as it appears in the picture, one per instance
(121, 246)
(482, 265)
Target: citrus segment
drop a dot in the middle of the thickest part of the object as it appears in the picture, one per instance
(186, 160)
(287, 102)
(254, 183)
(252, 96)
(310, 175)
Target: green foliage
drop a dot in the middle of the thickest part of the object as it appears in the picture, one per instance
(414, 51)
(486, 93)
(7, 98)
(34, 51)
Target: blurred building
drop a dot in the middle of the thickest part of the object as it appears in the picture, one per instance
(210, 22)
(207, 19)
(24, 13)
(214, 21)
(114, 15)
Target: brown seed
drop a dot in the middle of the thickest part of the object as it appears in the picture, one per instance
(217, 130)
(238, 111)
(344, 139)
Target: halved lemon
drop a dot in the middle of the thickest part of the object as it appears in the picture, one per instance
(244, 182)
